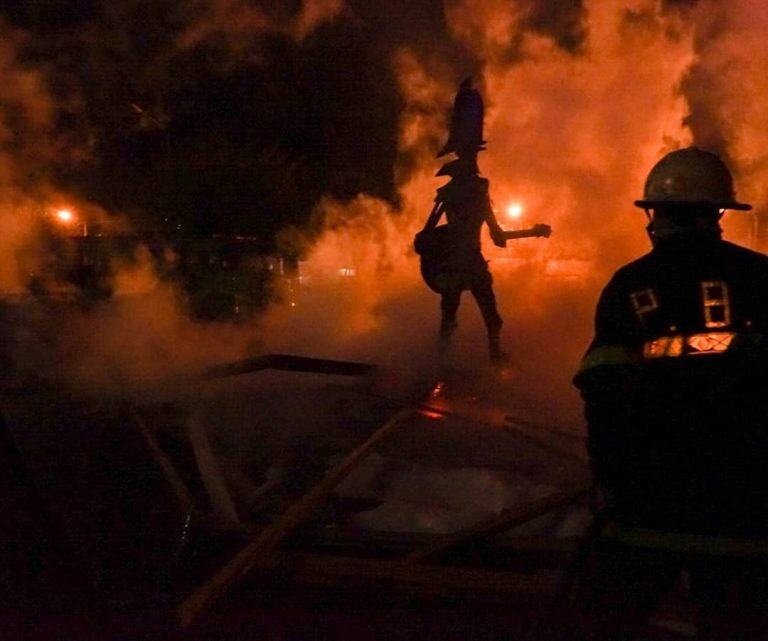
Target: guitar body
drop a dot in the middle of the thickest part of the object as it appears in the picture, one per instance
(446, 266)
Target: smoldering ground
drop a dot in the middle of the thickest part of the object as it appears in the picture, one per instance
(582, 98)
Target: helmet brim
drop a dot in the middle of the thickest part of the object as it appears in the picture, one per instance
(654, 204)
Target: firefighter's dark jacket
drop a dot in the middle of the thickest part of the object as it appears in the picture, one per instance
(676, 389)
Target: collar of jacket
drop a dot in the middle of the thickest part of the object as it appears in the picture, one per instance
(678, 237)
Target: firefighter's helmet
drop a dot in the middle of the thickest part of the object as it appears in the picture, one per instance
(690, 177)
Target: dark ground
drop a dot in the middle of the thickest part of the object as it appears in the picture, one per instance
(96, 546)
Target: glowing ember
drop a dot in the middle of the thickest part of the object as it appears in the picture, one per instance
(514, 211)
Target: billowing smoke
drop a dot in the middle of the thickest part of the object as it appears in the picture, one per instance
(241, 23)
(582, 98)
(725, 94)
(31, 145)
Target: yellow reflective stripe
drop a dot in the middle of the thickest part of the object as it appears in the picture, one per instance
(673, 346)
(705, 343)
(662, 346)
(607, 355)
(712, 343)
(675, 541)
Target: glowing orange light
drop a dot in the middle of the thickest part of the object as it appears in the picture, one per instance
(65, 215)
(710, 343)
(672, 346)
(514, 211)
(664, 346)
(435, 416)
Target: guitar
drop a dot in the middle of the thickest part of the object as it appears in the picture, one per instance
(437, 247)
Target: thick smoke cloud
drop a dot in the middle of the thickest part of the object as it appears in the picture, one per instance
(582, 98)
(726, 95)
(573, 130)
(32, 144)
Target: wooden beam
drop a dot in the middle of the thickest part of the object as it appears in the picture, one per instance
(180, 489)
(575, 451)
(287, 362)
(572, 435)
(208, 465)
(352, 541)
(501, 522)
(272, 536)
(403, 577)
(565, 444)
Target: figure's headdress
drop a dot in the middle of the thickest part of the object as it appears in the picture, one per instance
(466, 133)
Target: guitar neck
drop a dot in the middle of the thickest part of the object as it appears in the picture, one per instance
(522, 233)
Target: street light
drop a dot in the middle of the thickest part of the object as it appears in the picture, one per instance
(515, 214)
(514, 211)
(67, 217)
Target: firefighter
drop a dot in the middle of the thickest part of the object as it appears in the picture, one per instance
(451, 259)
(677, 410)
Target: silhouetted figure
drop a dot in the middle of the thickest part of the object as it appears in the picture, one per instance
(674, 386)
(451, 257)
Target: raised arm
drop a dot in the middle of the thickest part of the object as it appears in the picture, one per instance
(498, 235)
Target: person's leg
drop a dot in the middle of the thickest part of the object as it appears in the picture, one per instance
(486, 301)
(449, 306)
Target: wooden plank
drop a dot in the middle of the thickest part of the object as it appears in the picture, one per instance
(402, 577)
(502, 522)
(553, 440)
(275, 533)
(571, 435)
(382, 544)
(178, 485)
(544, 440)
(219, 496)
(290, 363)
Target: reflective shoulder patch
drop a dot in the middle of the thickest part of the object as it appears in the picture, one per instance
(644, 302)
(706, 343)
(664, 346)
(715, 298)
